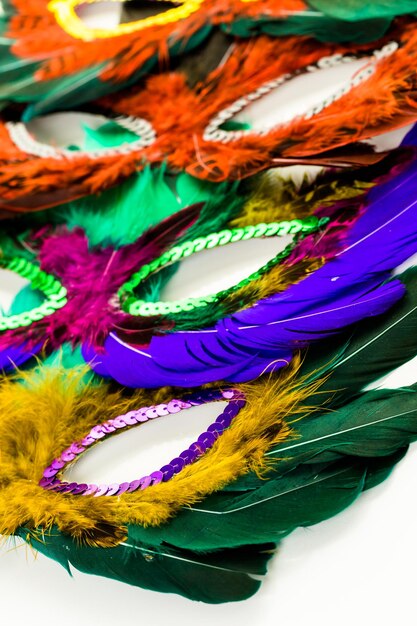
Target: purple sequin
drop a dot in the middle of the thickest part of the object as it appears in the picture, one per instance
(204, 442)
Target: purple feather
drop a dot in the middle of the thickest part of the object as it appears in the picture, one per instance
(13, 357)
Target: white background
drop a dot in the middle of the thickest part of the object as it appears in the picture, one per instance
(358, 567)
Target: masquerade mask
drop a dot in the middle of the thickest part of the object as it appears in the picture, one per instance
(239, 417)
(80, 58)
(240, 347)
(328, 458)
(223, 139)
(77, 61)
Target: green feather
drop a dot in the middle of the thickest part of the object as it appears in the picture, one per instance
(226, 576)
(305, 496)
(121, 214)
(359, 10)
(331, 460)
(108, 135)
(147, 559)
(375, 427)
(382, 469)
(373, 349)
(376, 424)
(313, 24)
(222, 204)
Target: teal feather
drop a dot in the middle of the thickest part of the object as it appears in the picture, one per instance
(355, 10)
(121, 214)
(25, 300)
(107, 135)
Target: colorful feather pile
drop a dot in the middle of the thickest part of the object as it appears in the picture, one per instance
(105, 196)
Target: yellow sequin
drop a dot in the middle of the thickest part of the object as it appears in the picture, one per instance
(67, 18)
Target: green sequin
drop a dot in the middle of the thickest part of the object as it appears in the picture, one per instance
(134, 306)
(40, 280)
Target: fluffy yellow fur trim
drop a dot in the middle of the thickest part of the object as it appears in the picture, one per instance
(49, 409)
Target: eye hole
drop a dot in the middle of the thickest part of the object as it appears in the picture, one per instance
(60, 135)
(278, 101)
(110, 14)
(100, 14)
(82, 22)
(389, 140)
(11, 286)
(283, 103)
(133, 296)
(143, 449)
(239, 261)
(27, 309)
(78, 131)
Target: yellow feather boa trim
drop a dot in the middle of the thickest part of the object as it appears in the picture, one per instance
(48, 409)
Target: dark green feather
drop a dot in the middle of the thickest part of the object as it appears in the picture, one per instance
(376, 424)
(371, 350)
(225, 576)
(307, 495)
(375, 427)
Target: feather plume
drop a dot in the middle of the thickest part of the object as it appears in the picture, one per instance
(91, 278)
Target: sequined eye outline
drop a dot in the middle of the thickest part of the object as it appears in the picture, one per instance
(137, 307)
(56, 294)
(214, 132)
(67, 18)
(204, 442)
(22, 138)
